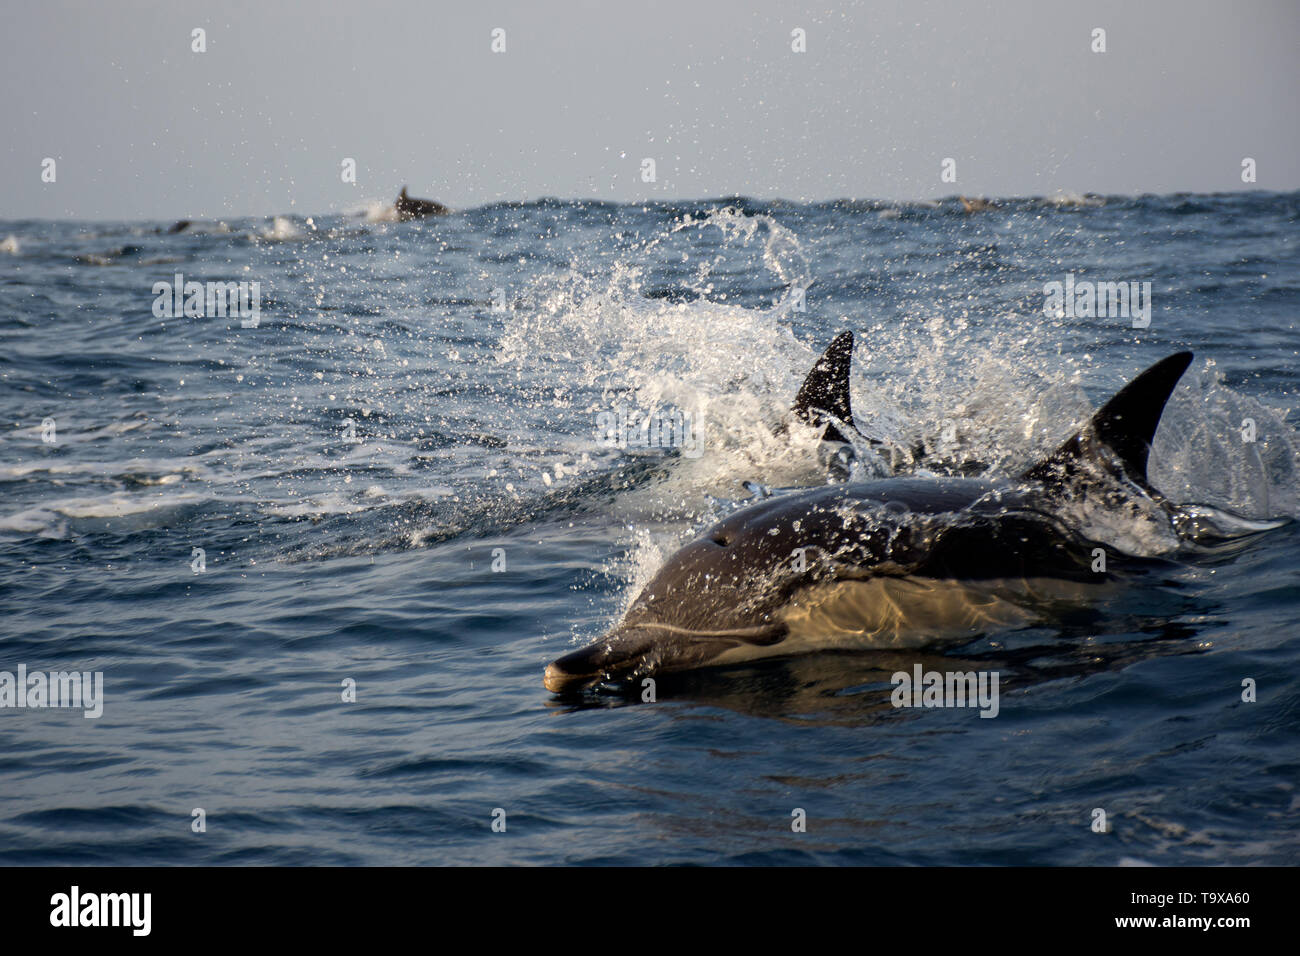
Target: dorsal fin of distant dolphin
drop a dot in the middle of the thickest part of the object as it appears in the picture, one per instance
(826, 389)
(1119, 435)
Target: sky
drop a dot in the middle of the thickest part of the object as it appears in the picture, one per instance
(142, 127)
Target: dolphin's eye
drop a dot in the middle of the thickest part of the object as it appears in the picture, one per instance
(720, 539)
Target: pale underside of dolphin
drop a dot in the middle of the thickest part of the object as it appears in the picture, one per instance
(890, 563)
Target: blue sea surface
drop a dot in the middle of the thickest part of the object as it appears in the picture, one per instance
(396, 481)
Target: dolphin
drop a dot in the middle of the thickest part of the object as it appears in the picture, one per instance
(409, 208)
(823, 402)
(898, 562)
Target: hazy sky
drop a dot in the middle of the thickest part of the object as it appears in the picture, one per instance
(141, 127)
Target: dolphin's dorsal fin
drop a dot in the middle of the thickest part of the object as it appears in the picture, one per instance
(402, 194)
(1119, 435)
(826, 389)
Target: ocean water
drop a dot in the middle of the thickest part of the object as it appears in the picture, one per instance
(397, 481)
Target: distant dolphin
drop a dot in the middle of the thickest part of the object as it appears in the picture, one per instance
(408, 208)
(896, 562)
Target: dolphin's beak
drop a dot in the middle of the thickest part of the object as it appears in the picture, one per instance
(637, 650)
(557, 679)
(617, 655)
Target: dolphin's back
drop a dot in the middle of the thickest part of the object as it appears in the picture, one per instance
(932, 527)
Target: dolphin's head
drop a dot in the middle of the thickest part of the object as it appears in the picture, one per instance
(720, 591)
(632, 651)
(628, 652)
